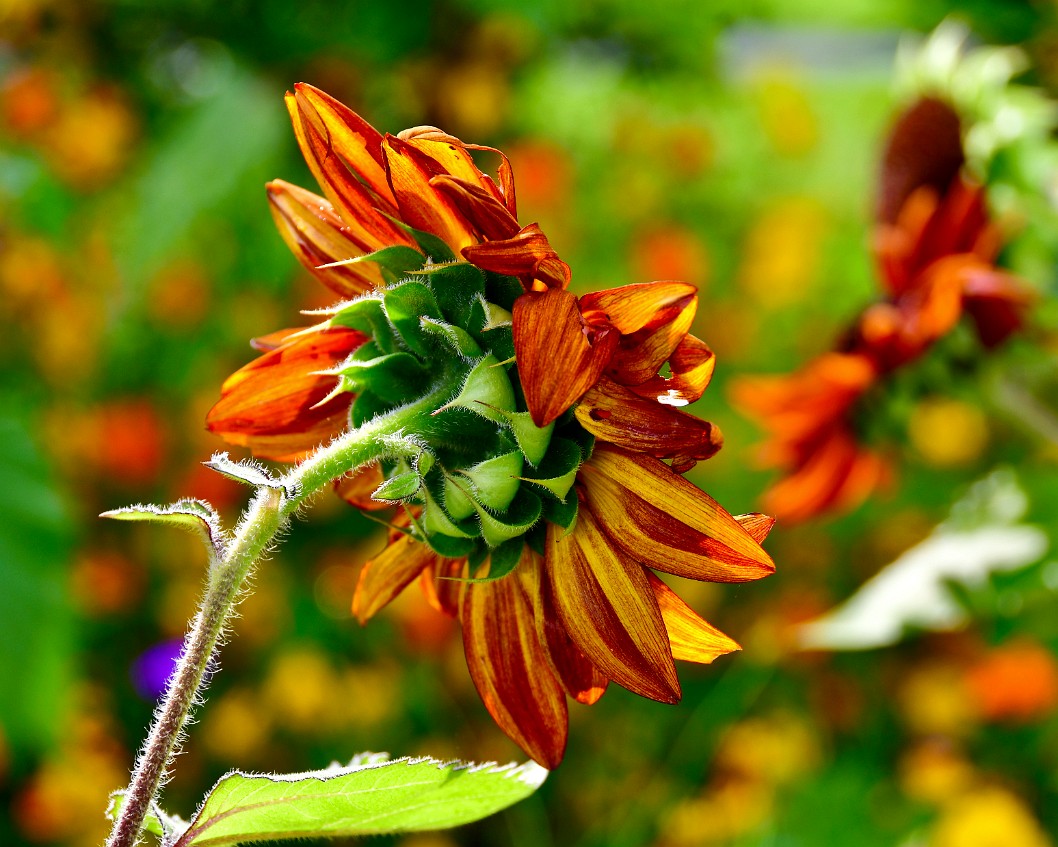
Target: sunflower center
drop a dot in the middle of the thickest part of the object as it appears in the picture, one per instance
(479, 478)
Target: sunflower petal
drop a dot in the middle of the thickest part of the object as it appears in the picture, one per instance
(388, 574)
(556, 361)
(422, 205)
(692, 638)
(479, 206)
(275, 404)
(653, 317)
(605, 603)
(614, 414)
(665, 522)
(580, 679)
(510, 669)
(527, 255)
(317, 236)
(341, 149)
(691, 365)
(443, 585)
(757, 525)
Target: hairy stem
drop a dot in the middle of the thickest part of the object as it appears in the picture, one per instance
(264, 517)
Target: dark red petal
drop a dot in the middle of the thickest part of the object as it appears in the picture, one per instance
(479, 206)
(527, 255)
(510, 669)
(273, 404)
(924, 149)
(556, 361)
(617, 415)
(665, 522)
(605, 603)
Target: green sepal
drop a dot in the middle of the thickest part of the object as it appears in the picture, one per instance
(562, 513)
(517, 520)
(458, 503)
(487, 391)
(578, 434)
(442, 545)
(459, 340)
(457, 286)
(503, 290)
(536, 538)
(405, 305)
(399, 376)
(500, 342)
(435, 248)
(558, 470)
(436, 521)
(503, 560)
(366, 406)
(396, 262)
(495, 316)
(367, 315)
(398, 488)
(532, 440)
(495, 481)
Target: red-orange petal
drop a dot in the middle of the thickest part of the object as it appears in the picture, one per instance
(510, 669)
(421, 205)
(758, 525)
(356, 488)
(354, 140)
(443, 585)
(273, 404)
(665, 522)
(691, 638)
(556, 361)
(691, 368)
(615, 414)
(653, 319)
(527, 255)
(389, 573)
(338, 147)
(605, 603)
(479, 206)
(317, 236)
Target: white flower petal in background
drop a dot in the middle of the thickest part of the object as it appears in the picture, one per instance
(981, 537)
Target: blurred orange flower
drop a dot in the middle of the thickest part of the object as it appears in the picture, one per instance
(935, 248)
(1017, 682)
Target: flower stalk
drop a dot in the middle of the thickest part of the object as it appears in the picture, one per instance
(266, 514)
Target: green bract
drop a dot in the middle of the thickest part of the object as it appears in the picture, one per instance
(477, 474)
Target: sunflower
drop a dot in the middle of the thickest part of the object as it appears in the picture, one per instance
(935, 248)
(542, 484)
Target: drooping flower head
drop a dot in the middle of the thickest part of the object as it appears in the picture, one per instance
(537, 501)
(935, 247)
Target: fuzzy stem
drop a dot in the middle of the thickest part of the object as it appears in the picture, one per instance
(264, 517)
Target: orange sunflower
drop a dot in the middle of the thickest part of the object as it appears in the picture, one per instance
(935, 248)
(537, 498)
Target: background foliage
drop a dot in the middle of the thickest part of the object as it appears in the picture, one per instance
(733, 145)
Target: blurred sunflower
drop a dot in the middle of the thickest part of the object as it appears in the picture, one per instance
(541, 543)
(935, 248)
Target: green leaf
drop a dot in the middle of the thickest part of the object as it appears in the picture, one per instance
(248, 472)
(157, 822)
(369, 797)
(195, 516)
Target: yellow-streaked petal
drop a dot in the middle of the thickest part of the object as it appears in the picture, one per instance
(665, 522)
(510, 669)
(605, 603)
(691, 638)
(691, 368)
(388, 574)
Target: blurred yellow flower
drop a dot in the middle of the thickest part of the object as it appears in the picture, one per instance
(947, 432)
(988, 817)
(933, 771)
(782, 252)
